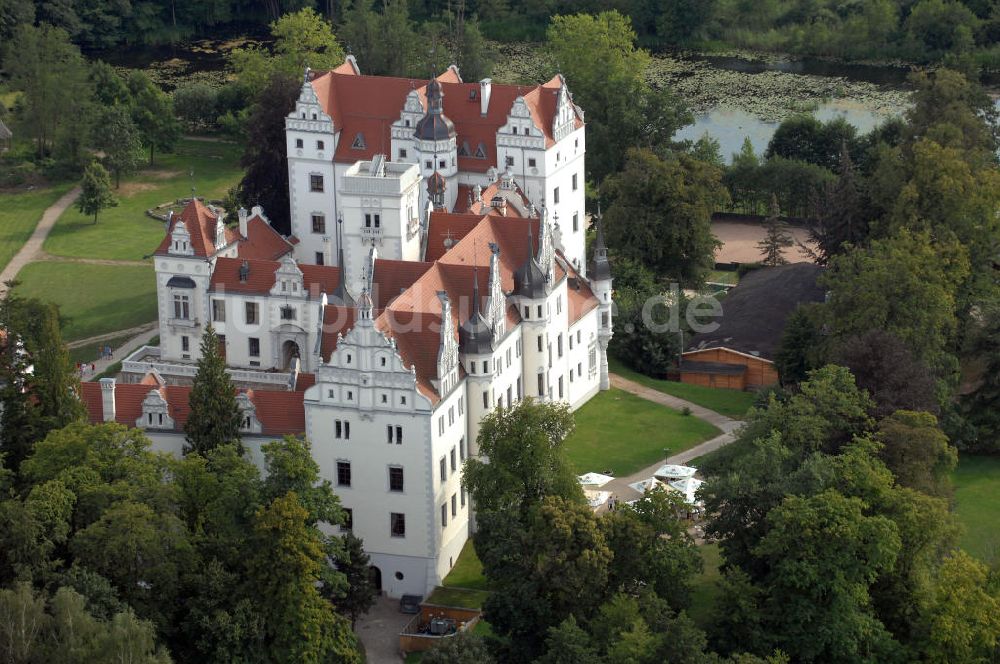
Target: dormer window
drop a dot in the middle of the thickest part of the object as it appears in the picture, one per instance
(481, 151)
(359, 142)
(464, 150)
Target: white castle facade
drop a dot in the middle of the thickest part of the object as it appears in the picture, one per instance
(436, 271)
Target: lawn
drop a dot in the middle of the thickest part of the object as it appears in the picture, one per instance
(468, 571)
(125, 232)
(977, 505)
(623, 433)
(728, 277)
(89, 352)
(20, 213)
(731, 403)
(705, 590)
(93, 299)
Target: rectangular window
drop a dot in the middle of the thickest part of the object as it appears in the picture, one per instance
(298, 143)
(509, 161)
(185, 344)
(320, 145)
(343, 473)
(451, 415)
(462, 493)
(461, 406)
(402, 153)
(254, 347)
(182, 307)
(452, 455)
(395, 478)
(560, 387)
(315, 183)
(518, 388)
(576, 221)
(441, 425)
(527, 312)
(555, 195)
(559, 304)
(444, 515)
(574, 181)
(399, 435)
(454, 505)
(531, 162)
(338, 429)
(397, 524)
(368, 221)
(319, 258)
(347, 430)
(486, 400)
(539, 343)
(539, 311)
(461, 448)
(509, 401)
(348, 519)
(319, 223)
(219, 310)
(287, 313)
(559, 344)
(541, 385)
(251, 313)
(378, 220)
(443, 467)
(389, 431)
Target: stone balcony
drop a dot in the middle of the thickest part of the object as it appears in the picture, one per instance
(173, 372)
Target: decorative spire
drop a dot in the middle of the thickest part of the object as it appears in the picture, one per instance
(341, 295)
(600, 268)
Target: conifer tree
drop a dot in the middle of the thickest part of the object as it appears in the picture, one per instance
(215, 417)
(777, 237)
(95, 192)
(354, 564)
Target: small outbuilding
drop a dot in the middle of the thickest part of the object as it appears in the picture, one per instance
(739, 354)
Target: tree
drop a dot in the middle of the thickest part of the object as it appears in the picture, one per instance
(196, 104)
(660, 215)
(385, 42)
(804, 138)
(95, 191)
(800, 350)
(265, 161)
(300, 626)
(840, 213)
(527, 462)
(354, 564)
(52, 76)
(215, 418)
(301, 39)
(472, 54)
(964, 620)
(22, 621)
(887, 369)
(981, 406)
(117, 136)
(824, 552)
(463, 648)
(153, 114)
(567, 643)
(917, 452)
(777, 237)
(110, 89)
(606, 73)
(875, 288)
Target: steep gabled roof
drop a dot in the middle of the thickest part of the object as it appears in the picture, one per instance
(263, 242)
(200, 223)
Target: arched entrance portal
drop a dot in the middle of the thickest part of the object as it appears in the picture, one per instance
(376, 575)
(289, 352)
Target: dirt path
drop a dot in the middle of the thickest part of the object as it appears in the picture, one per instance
(33, 247)
(123, 351)
(619, 487)
(96, 339)
(44, 256)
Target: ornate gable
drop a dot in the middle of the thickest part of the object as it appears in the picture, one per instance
(496, 302)
(180, 240)
(447, 362)
(288, 280)
(155, 412)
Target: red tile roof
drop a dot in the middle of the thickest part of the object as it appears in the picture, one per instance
(263, 242)
(279, 412)
(200, 223)
(368, 105)
(260, 279)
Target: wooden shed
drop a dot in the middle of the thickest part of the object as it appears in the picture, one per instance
(738, 352)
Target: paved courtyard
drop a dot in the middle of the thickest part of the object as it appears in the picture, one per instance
(379, 631)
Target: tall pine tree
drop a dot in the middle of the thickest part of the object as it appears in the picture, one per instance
(777, 237)
(215, 417)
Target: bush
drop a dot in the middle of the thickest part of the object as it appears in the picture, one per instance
(197, 104)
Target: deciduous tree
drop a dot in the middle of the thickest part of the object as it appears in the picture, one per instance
(95, 191)
(153, 114)
(116, 135)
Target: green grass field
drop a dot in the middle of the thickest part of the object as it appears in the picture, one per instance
(705, 590)
(624, 433)
(125, 232)
(728, 277)
(88, 353)
(977, 505)
(468, 571)
(20, 213)
(731, 403)
(93, 299)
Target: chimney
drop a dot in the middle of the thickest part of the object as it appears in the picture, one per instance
(327, 251)
(485, 88)
(108, 399)
(243, 221)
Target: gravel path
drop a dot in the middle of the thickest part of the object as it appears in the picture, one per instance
(619, 487)
(123, 351)
(32, 249)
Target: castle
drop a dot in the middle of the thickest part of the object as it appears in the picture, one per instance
(435, 272)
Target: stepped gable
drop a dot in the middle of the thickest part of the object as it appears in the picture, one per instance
(263, 242)
(368, 105)
(200, 223)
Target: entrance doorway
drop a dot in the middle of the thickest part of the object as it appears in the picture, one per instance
(289, 352)
(376, 575)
